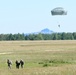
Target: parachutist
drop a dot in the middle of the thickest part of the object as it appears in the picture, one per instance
(58, 25)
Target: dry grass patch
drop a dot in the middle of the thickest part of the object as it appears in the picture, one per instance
(59, 57)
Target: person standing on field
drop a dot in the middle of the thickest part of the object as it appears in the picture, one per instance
(21, 63)
(9, 62)
(17, 64)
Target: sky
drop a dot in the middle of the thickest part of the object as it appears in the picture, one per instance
(26, 16)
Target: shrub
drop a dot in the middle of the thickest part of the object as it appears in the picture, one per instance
(45, 65)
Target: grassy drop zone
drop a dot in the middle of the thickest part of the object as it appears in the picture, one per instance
(57, 57)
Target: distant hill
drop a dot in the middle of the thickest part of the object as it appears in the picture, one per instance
(43, 31)
(46, 31)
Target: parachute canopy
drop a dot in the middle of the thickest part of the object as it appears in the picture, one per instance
(58, 11)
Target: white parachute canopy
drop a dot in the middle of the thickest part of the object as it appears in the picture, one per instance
(58, 11)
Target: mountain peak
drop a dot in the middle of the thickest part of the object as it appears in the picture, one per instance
(46, 31)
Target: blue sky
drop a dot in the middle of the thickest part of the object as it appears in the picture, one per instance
(26, 16)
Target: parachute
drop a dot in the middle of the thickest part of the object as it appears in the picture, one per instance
(58, 11)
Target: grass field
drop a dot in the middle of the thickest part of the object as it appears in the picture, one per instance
(40, 57)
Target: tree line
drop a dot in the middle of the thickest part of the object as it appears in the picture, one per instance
(53, 36)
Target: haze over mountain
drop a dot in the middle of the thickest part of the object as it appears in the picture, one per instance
(43, 31)
(46, 31)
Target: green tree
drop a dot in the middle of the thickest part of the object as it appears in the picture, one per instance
(74, 35)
